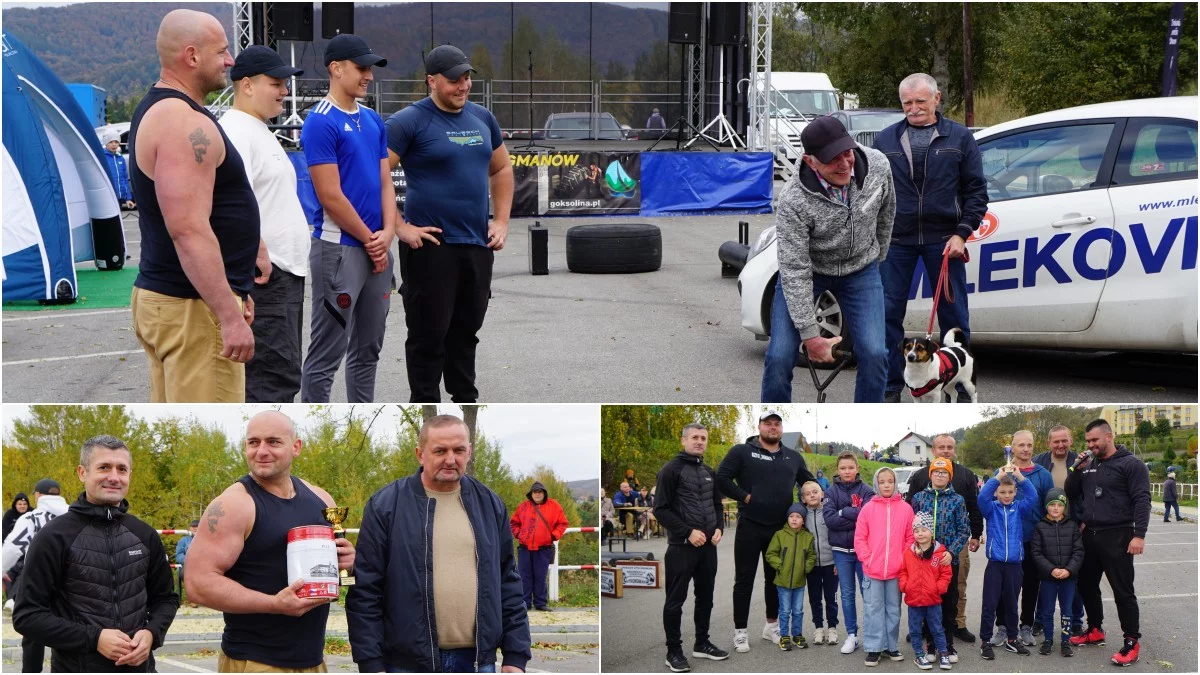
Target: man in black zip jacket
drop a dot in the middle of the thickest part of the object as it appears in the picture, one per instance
(437, 586)
(1112, 489)
(688, 506)
(941, 198)
(965, 483)
(759, 475)
(97, 587)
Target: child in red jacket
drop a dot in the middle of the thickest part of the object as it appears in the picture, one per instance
(923, 580)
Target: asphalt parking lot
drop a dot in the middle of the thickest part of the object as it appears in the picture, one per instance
(673, 335)
(631, 627)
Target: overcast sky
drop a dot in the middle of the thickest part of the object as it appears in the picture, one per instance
(865, 423)
(564, 437)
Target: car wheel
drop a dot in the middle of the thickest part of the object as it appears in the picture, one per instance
(832, 324)
(614, 248)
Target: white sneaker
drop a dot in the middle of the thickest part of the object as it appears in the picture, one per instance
(831, 636)
(850, 644)
(741, 643)
(8, 606)
(819, 636)
(771, 632)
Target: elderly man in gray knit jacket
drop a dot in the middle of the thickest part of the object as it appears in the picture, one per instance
(834, 223)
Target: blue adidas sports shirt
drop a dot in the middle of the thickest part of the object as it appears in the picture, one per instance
(355, 142)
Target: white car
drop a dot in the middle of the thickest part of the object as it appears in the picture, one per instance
(903, 474)
(1089, 241)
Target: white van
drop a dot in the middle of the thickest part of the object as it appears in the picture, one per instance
(798, 98)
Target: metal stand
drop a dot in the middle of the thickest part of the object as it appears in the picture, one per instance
(531, 144)
(724, 129)
(681, 123)
(294, 118)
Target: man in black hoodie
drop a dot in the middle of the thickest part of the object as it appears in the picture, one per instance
(1111, 487)
(759, 475)
(97, 544)
(688, 505)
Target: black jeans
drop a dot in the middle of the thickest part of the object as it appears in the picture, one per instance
(1030, 587)
(750, 542)
(273, 375)
(686, 563)
(1107, 552)
(445, 290)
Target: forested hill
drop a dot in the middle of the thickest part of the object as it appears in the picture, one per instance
(112, 44)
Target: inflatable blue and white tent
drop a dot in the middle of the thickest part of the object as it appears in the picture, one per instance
(57, 194)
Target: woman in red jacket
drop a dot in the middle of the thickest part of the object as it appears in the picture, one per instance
(537, 523)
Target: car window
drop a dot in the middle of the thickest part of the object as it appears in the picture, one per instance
(1044, 161)
(875, 121)
(1156, 150)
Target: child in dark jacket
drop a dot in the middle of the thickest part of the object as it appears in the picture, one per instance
(923, 581)
(1057, 548)
(822, 581)
(844, 499)
(1003, 511)
(792, 556)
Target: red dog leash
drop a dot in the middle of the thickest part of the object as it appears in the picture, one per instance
(943, 288)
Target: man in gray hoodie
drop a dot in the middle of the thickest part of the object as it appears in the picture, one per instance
(834, 223)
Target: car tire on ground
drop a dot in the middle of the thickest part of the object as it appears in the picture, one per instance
(614, 248)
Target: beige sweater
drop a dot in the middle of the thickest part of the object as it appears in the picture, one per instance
(454, 574)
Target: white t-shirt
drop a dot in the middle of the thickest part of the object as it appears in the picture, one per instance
(273, 179)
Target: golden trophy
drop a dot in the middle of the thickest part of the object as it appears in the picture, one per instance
(335, 515)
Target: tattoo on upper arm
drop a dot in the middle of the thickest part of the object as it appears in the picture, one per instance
(213, 516)
(200, 144)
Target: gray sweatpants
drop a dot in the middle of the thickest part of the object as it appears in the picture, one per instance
(349, 316)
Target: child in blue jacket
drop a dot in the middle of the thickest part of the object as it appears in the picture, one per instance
(1004, 503)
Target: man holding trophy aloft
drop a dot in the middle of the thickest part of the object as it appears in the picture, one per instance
(263, 531)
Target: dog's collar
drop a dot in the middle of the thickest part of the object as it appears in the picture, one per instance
(947, 369)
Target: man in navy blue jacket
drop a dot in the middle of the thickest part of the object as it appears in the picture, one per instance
(418, 607)
(941, 197)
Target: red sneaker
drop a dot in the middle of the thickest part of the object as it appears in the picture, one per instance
(1092, 636)
(1128, 654)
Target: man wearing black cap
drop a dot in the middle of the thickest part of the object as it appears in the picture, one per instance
(759, 475)
(834, 223)
(49, 505)
(259, 79)
(199, 224)
(350, 263)
(941, 199)
(453, 154)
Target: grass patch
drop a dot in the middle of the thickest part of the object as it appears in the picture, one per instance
(578, 588)
(337, 646)
(990, 108)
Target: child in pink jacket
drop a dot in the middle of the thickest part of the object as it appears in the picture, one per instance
(883, 532)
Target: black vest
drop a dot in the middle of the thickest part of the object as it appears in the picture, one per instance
(695, 495)
(275, 639)
(234, 217)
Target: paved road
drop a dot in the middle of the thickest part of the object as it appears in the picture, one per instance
(631, 627)
(570, 660)
(566, 641)
(673, 335)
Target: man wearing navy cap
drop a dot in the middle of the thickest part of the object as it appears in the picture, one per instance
(351, 267)
(834, 223)
(259, 80)
(453, 154)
